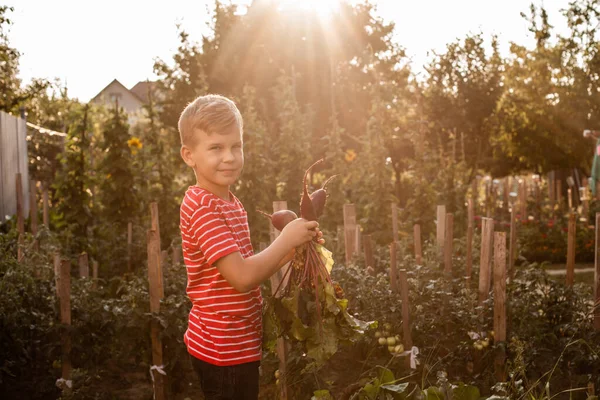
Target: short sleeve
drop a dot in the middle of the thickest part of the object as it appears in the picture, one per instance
(208, 231)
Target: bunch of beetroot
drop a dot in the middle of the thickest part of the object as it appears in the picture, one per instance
(307, 266)
(306, 291)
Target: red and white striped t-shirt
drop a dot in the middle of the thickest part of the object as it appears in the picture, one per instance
(225, 326)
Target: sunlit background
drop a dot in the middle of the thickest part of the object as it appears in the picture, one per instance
(88, 44)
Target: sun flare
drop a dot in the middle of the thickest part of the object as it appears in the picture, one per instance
(324, 8)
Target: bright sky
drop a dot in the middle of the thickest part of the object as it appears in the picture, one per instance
(88, 44)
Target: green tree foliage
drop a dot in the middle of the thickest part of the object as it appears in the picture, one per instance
(72, 195)
(118, 194)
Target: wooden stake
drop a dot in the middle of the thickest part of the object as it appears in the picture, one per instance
(512, 252)
(500, 303)
(571, 249)
(57, 262)
(84, 268)
(33, 210)
(349, 231)
(597, 276)
(176, 254)
(164, 255)
(63, 285)
(275, 282)
(358, 238)
(441, 229)
(129, 242)
(407, 336)
(551, 188)
(418, 247)
(94, 274)
(393, 268)
(20, 219)
(156, 293)
(395, 221)
(368, 247)
(46, 206)
(485, 259)
(155, 226)
(585, 199)
(448, 239)
(470, 232)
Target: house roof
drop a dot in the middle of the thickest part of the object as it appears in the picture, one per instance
(139, 91)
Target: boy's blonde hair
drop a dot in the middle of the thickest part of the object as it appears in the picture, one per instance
(212, 113)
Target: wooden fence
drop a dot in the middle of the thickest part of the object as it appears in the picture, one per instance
(13, 160)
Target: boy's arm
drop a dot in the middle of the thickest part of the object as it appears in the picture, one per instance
(245, 274)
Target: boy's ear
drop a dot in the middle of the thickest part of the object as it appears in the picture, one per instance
(186, 154)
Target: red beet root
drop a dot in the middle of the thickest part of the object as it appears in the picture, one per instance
(319, 198)
(280, 218)
(307, 210)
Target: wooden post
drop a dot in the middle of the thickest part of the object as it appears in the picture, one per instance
(349, 231)
(406, 333)
(393, 267)
(368, 247)
(505, 190)
(585, 199)
(395, 221)
(358, 238)
(571, 250)
(156, 293)
(418, 246)
(46, 206)
(129, 242)
(57, 262)
(485, 259)
(597, 276)
(448, 239)
(407, 336)
(275, 282)
(339, 239)
(470, 232)
(63, 285)
(512, 251)
(33, 210)
(551, 188)
(163, 259)
(176, 254)
(441, 229)
(155, 226)
(570, 198)
(94, 274)
(500, 303)
(20, 219)
(84, 268)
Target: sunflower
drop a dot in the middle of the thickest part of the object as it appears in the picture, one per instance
(134, 144)
(350, 155)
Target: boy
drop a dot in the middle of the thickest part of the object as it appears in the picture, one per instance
(224, 335)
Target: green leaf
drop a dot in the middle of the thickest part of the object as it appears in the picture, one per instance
(433, 393)
(386, 376)
(322, 395)
(465, 392)
(397, 388)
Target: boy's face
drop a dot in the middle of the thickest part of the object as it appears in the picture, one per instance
(217, 159)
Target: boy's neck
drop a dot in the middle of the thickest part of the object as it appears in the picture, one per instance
(219, 191)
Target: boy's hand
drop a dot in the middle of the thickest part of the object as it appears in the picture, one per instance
(300, 231)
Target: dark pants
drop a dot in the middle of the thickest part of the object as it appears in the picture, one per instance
(235, 382)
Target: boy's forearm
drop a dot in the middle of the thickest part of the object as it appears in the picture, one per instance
(263, 265)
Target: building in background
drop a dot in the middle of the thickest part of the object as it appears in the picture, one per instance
(131, 100)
